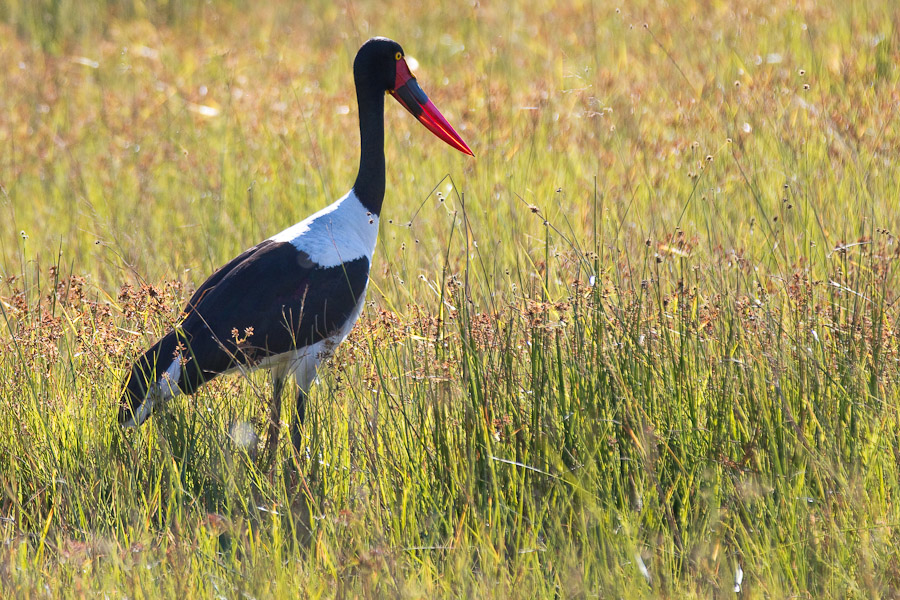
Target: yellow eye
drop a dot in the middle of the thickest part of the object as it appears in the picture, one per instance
(398, 56)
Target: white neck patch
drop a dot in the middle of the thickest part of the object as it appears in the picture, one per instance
(338, 233)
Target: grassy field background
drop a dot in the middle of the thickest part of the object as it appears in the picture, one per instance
(644, 346)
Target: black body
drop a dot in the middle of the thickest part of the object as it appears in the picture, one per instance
(289, 301)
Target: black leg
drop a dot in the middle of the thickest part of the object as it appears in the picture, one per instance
(297, 423)
(274, 419)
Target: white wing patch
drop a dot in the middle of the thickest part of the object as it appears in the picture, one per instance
(338, 233)
(160, 391)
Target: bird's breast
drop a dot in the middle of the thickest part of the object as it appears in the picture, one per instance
(337, 234)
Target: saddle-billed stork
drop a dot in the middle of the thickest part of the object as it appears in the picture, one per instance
(286, 303)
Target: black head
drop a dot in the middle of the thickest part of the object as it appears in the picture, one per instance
(380, 67)
(375, 66)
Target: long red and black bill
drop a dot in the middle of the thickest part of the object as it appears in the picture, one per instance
(408, 93)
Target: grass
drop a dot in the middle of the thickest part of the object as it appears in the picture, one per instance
(644, 346)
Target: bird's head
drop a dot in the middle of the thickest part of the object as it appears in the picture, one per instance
(381, 64)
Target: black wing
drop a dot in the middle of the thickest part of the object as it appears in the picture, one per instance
(288, 300)
(216, 277)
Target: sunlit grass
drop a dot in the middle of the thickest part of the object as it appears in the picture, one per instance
(643, 344)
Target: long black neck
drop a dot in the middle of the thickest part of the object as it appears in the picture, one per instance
(369, 186)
